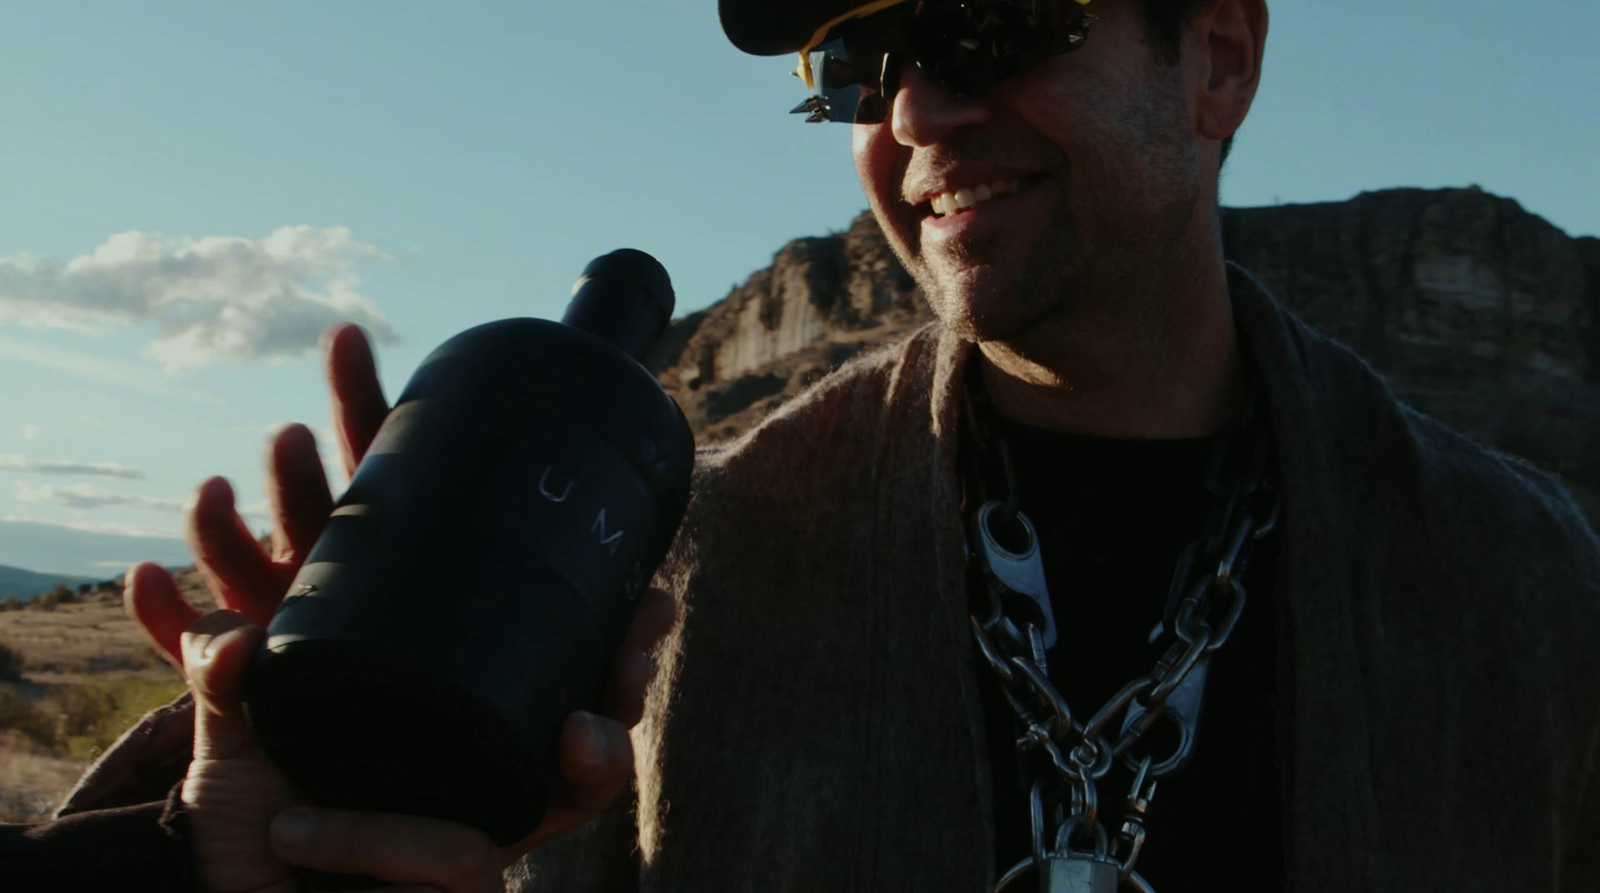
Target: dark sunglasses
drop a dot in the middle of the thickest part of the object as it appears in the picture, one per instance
(852, 65)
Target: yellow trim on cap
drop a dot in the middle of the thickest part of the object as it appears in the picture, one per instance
(804, 69)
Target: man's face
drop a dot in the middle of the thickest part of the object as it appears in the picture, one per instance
(1100, 141)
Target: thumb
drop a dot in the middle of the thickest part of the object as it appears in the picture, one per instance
(215, 650)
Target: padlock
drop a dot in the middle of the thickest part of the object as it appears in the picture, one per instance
(1079, 873)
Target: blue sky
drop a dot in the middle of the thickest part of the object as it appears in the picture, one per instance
(425, 167)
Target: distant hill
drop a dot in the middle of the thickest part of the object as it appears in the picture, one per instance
(94, 555)
(24, 584)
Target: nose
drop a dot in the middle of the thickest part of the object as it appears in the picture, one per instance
(924, 113)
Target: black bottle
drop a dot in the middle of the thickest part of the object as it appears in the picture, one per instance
(475, 580)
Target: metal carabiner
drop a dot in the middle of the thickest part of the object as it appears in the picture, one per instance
(1017, 574)
(1183, 708)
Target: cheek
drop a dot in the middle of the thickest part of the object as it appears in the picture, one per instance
(860, 139)
(881, 164)
(874, 154)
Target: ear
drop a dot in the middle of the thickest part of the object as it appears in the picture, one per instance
(1226, 41)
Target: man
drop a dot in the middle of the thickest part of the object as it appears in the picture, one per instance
(880, 684)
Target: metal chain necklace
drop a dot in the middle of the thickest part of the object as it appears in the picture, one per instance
(1015, 625)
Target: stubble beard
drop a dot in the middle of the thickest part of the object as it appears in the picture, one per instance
(1112, 278)
(1104, 264)
(989, 290)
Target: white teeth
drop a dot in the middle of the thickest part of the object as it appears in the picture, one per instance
(946, 203)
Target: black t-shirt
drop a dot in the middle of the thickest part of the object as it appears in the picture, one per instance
(1112, 517)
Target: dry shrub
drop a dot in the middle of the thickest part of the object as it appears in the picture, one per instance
(22, 714)
(31, 783)
(84, 708)
(10, 664)
(74, 666)
(155, 660)
(97, 713)
(13, 741)
(80, 720)
(61, 595)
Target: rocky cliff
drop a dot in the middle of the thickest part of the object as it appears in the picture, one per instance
(1475, 311)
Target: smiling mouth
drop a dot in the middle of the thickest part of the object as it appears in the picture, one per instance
(965, 199)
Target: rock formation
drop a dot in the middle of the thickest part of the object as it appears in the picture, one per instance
(1475, 311)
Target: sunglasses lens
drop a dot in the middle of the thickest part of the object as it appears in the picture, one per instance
(969, 48)
(872, 108)
(965, 46)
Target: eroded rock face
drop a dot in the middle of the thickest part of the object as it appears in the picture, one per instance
(1475, 310)
(818, 291)
(1405, 274)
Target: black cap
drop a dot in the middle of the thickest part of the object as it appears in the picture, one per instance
(775, 27)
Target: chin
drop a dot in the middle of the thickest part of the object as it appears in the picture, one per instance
(982, 305)
(986, 317)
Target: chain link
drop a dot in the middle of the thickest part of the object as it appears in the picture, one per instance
(1204, 603)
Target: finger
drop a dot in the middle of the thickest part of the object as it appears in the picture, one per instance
(400, 849)
(359, 406)
(241, 575)
(215, 650)
(625, 689)
(596, 759)
(594, 752)
(297, 488)
(150, 596)
(652, 620)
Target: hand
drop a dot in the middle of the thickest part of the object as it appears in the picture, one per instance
(235, 797)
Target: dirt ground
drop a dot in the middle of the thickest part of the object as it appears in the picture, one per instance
(87, 650)
(32, 782)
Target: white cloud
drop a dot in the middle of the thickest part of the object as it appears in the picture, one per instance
(88, 496)
(255, 511)
(30, 431)
(19, 462)
(214, 298)
(114, 529)
(100, 369)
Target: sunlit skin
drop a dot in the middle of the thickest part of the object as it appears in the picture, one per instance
(1097, 293)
